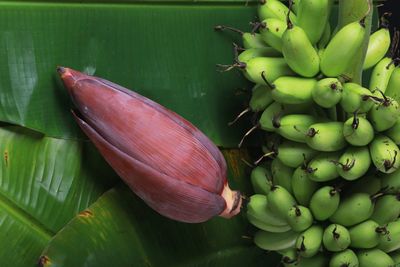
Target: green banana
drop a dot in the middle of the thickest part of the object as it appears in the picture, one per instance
(299, 52)
(250, 53)
(294, 126)
(354, 163)
(365, 234)
(336, 238)
(275, 241)
(326, 136)
(394, 132)
(346, 258)
(260, 216)
(324, 202)
(391, 241)
(309, 242)
(270, 68)
(299, 218)
(293, 90)
(378, 45)
(356, 98)
(325, 38)
(374, 258)
(250, 40)
(273, 111)
(322, 167)
(271, 31)
(274, 9)
(385, 114)
(393, 86)
(280, 201)
(261, 180)
(381, 74)
(384, 154)
(289, 256)
(327, 92)
(312, 16)
(353, 209)
(337, 57)
(288, 153)
(282, 174)
(260, 98)
(391, 182)
(387, 209)
(358, 131)
(303, 188)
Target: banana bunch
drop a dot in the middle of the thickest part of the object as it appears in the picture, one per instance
(327, 189)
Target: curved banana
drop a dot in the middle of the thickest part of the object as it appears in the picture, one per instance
(381, 75)
(327, 92)
(313, 16)
(394, 132)
(309, 242)
(293, 154)
(326, 136)
(391, 182)
(374, 258)
(356, 98)
(275, 110)
(249, 39)
(258, 207)
(294, 126)
(271, 31)
(336, 238)
(337, 57)
(299, 218)
(293, 90)
(324, 202)
(325, 38)
(385, 114)
(354, 163)
(378, 45)
(322, 167)
(353, 209)
(384, 153)
(250, 53)
(303, 187)
(274, 9)
(261, 180)
(387, 209)
(275, 241)
(280, 201)
(281, 174)
(344, 258)
(393, 87)
(365, 234)
(304, 62)
(260, 98)
(391, 241)
(270, 68)
(358, 131)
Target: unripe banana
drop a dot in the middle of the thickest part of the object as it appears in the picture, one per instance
(393, 86)
(260, 98)
(337, 57)
(274, 9)
(275, 110)
(391, 241)
(309, 242)
(358, 131)
(354, 163)
(394, 132)
(275, 241)
(385, 114)
(384, 154)
(327, 92)
(260, 216)
(346, 258)
(250, 53)
(280, 201)
(356, 98)
(293, 90)
(368, 184)
(292, 154)
(391, 182)
(381, 74)
(387, 209)
(294, 126)
(271, 31)
(353, 209)
(325, 38)
(374, 258)
(378, 45)
(326, 136)
(252, 40)
(289, 256)
(304, 62)
(336, 238)
(272, 67)
(299, 218)
(322, 167)
(365, 234)
(282, 174)
(312, 16)
(303, 188)
(324, 202)
(261, 180)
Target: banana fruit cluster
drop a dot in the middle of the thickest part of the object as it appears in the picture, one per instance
(330, 196)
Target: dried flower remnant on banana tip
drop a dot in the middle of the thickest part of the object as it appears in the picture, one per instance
(162, 157)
